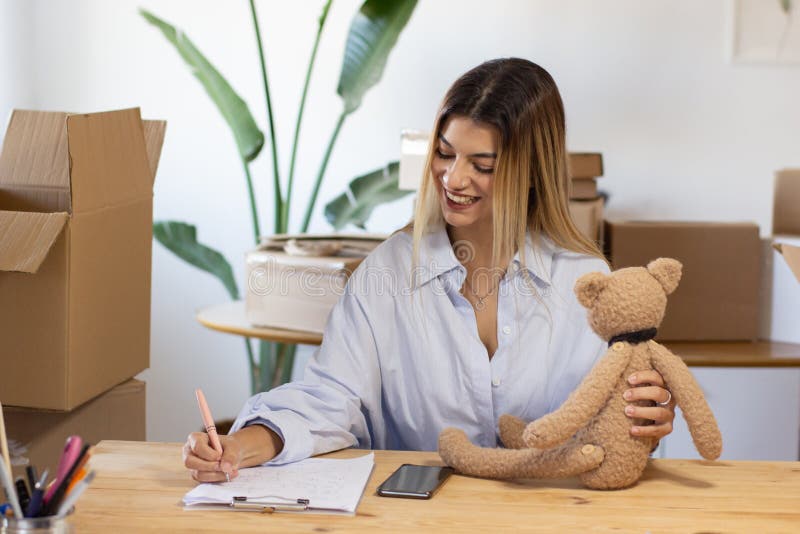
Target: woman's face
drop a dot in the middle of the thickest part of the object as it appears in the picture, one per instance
(463, 169)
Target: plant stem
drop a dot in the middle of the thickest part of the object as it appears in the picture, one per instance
(286, 374)
(323, 166)
(287, 204)
(275, 174)
(266, 350)
(280, 361)
(254, 370)
(251, 194)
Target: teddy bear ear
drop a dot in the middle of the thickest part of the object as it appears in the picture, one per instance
(589, 286)
(667, 271)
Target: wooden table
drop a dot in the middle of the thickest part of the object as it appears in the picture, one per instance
(737, 353)
(139, 487)
(230, 318)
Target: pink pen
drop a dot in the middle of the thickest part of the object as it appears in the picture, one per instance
(208, 421)
(72, 448)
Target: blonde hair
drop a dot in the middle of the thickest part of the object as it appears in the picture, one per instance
(531, 182)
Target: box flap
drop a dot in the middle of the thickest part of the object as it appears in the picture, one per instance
(791, 254)
(109, 164)
(153, 140)
(35, 151)
(26, 238)
(786, 207)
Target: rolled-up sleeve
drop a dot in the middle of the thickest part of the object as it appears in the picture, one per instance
(330, 408)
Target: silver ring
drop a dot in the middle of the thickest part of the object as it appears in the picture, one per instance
(666, 402)
(228, 477)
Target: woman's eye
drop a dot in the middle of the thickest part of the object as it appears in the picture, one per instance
(442, 155)
(483, 170)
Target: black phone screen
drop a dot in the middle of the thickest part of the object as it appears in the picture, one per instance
(414, 481)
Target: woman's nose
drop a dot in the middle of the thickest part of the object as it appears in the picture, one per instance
(456, 175)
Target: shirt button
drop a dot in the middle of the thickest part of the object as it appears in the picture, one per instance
(506, 330)
(496, 382)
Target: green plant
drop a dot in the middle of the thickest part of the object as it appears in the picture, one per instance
(373, 33)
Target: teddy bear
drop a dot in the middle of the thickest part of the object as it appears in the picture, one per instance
(589, 434)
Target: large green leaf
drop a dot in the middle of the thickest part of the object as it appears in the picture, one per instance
(181, 239)
(249, 138)
(373, 34)
(366, 193)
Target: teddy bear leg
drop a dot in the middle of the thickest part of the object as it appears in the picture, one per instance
(511, 429)
(571, 459)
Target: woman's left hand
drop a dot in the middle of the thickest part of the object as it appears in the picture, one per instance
(649, 386)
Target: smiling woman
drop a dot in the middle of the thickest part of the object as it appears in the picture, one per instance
(466, 314)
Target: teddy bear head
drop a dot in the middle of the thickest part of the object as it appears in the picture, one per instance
(630, 299)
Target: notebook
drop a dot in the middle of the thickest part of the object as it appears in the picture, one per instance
(316, 485)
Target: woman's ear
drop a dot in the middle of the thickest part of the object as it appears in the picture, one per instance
(667, 271)
(589, 286)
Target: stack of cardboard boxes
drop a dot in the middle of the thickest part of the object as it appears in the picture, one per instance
(75, 253)
(585, 202)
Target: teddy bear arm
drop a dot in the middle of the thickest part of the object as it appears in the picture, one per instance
(582, 404)
(689, 396)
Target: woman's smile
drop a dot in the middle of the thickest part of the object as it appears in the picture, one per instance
(458, 201)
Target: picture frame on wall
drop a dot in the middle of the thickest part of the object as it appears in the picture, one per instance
(765, 31)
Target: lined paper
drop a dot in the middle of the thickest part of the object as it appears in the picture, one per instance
(328, 484)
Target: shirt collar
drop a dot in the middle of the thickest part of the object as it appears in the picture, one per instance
(437, 257)
(538, 255)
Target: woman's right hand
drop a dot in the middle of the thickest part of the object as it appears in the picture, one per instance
(249, 446)
(207, 464)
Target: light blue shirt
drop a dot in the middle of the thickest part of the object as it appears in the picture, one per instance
(400, 361)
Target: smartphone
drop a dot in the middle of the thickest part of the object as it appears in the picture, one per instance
(414, 481)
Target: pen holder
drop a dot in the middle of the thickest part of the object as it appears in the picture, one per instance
(36, 525)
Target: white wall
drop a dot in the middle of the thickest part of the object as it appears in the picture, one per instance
(685, 133)
(16, 55)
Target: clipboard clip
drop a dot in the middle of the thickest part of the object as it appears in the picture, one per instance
(264, 506)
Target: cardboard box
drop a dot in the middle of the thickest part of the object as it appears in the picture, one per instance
(76, 195)
(583, 189)
(294, 283)
(781, 307)
(37, 437)
(585, 165)
(786, 206)
(718, 296)
(588, 217)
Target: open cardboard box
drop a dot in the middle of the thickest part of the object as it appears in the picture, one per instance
(781, 308)
(76, 194)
